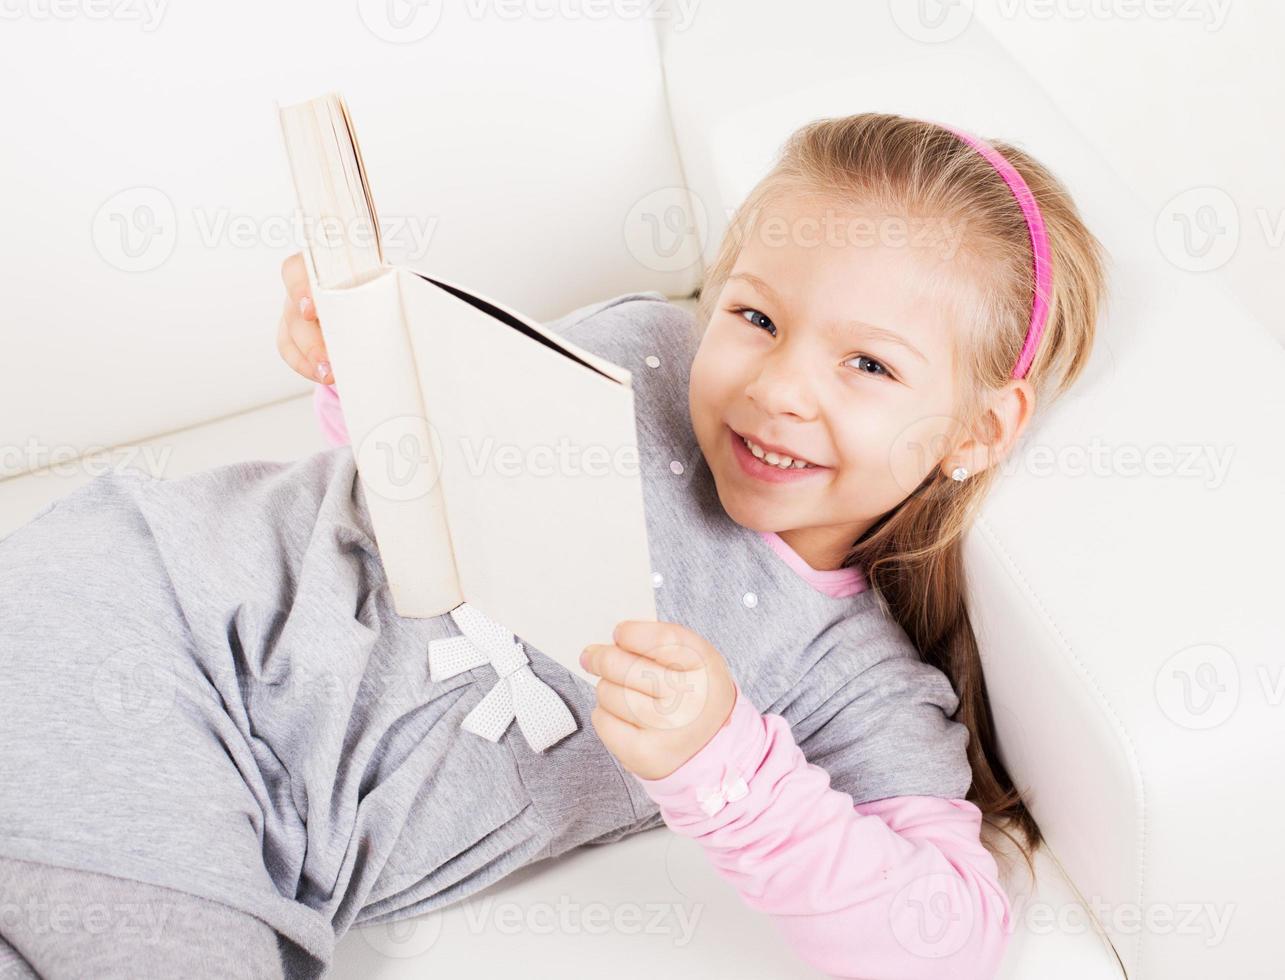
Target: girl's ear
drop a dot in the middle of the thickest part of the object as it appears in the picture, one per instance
(1007, 414)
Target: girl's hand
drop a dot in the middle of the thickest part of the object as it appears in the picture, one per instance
(664, 693)
(299, 338)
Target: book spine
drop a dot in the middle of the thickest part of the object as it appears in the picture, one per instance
(397, 463)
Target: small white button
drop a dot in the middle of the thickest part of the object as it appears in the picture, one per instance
(750, 600)
(653, 360)
(675, 466)
(657, 580)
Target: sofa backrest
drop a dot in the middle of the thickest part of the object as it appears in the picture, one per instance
(1121, 577)
(151, 217)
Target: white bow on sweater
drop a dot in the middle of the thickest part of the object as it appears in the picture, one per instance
(542, 716)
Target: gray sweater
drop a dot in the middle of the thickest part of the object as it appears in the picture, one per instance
(205, 685)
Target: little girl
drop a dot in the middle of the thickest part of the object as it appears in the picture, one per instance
(208, 705)
(850, 403)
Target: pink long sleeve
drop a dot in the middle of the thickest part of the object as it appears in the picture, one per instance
(900, 887)
(330, 417)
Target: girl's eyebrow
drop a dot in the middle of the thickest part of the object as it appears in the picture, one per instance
(881, 333)
(869, 329)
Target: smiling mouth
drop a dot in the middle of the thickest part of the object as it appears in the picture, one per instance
(768, 465)
(777, 458)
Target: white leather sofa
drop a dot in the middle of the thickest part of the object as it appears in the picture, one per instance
(1123, 578)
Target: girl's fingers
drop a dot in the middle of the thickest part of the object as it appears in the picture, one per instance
(642, 710)
(610, 729)
(299, 339)
(306, 337)
(625, 704)
(290, 353)
(295, 277)
(654, 696)
(673, 689)
(621, 667)
(666, 644)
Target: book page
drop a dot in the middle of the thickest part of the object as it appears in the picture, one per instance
(540, 473)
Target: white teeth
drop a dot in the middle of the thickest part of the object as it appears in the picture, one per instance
(775, 459)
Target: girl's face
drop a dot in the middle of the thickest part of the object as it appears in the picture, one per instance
(824, 344)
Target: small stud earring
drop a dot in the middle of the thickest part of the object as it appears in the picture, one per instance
(958, 473)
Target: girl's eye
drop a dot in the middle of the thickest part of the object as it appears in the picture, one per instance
(880, 369)
(762, 320)
(759, 319)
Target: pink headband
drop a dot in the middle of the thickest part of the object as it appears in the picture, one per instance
(1039, 245)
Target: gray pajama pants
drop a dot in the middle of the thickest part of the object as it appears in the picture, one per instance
(56, 922)
(59, 772)
(59, 922)
(208, 705)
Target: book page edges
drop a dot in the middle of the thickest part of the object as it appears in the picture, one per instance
(365, 179)
(332, 191)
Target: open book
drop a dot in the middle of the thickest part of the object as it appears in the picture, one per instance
(498, 460)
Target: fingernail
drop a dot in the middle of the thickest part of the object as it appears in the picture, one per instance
(305, 305)
(322, 370)
(584, 657)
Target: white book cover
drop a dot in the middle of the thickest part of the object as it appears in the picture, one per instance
(498, 460)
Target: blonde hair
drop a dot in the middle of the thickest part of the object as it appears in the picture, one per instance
(912, 555)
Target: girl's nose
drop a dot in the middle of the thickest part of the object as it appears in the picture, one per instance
(785, 384)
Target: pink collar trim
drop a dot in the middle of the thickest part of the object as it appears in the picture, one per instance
(838, 583)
